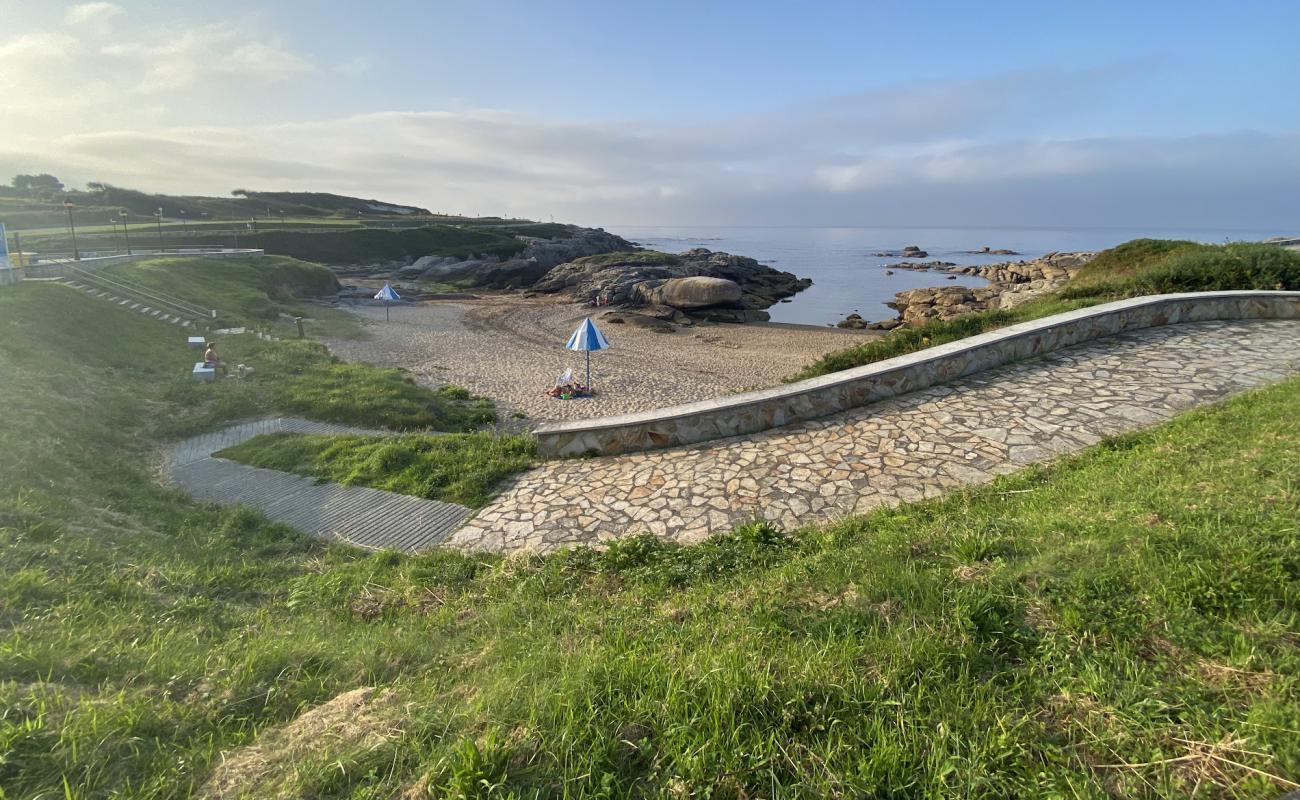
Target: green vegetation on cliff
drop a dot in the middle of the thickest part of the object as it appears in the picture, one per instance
(264, 292)
(1139, 267)
(650, 258)
(27, 204)
(1119, 624)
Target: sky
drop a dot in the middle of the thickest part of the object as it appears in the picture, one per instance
(1022, 114)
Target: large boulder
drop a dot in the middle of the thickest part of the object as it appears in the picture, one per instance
(697, 292)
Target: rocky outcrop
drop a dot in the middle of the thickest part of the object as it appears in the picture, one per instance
(1011, 284)
(986, 251)
(530, 266)
(737, 289)
(1055, 268)
(532, 263)
(699, 291)
(920, 266)
(911, 251)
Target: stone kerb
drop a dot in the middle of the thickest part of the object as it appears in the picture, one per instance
(751, 412)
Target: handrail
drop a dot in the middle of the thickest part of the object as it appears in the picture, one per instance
(122, 283)
(142, 295)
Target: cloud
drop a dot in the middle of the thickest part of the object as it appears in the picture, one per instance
(357, 65)
(60, 79)
(265, 60)
(35, 49)
(493, 162)
(97, 15)
(131, 109)
(178, 59)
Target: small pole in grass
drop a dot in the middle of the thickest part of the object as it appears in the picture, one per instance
(298, 320)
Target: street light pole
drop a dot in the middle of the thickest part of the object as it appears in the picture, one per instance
(158, 214)
(125, 232)
(76, 252)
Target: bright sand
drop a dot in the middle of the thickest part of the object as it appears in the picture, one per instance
(512, 349)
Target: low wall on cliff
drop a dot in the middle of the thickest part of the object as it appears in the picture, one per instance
(63, 267)
(751, 412)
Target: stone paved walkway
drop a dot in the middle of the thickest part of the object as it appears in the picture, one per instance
(907, 448)
(364, 517)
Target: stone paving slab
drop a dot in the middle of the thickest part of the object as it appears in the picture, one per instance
(369, 518)
(908, 448)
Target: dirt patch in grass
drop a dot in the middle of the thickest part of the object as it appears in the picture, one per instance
(359, 720)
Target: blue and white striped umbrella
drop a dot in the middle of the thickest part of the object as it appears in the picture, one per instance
(587, 338)
(387, 295)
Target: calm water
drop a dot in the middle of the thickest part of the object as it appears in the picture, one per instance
(847, 277)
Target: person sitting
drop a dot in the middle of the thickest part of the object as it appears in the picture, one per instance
(211, 359)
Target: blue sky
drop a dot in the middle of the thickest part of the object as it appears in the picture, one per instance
(1011, 113)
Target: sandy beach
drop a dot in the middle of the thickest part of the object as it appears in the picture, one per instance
(512, 349)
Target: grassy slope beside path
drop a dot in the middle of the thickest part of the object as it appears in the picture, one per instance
(456, 468)
(1139, 267)
(1122, 624)
(262, 292)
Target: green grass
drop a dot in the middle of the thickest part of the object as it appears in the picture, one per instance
(24, 211)
(647, 257)
(456, 468)
(373, 245)
(1028, 638)
(1149, 266)
(902, 341)
(1139, 267)
(337, 244)
(266, 292)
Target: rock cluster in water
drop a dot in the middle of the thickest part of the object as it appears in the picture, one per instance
(1012, 283)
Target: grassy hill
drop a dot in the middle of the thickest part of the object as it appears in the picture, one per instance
(22, 210)
(1121, 624)
(1139, 267)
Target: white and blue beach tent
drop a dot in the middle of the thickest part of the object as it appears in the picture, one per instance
(586, 339)
(387, 295)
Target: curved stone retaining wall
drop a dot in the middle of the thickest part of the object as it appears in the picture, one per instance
(751, 412)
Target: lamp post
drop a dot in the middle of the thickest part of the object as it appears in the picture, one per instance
(158, 214)
(125, 232)
(76, 252)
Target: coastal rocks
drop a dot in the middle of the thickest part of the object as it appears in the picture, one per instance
(711, 286)
(918, 306)
(698, 291)
(1011, 284)
(921, 266)
(635, 320)
(856, 322)
(911, 251)
(526, 268)
(1054, 267)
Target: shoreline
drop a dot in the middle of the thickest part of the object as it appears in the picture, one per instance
(511, 349)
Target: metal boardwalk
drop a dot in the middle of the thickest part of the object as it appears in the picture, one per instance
(368, 518)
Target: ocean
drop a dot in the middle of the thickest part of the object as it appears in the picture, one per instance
(848, 278)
